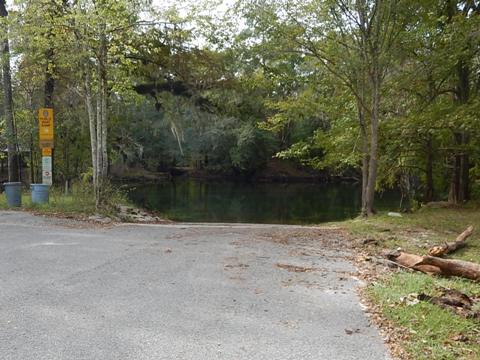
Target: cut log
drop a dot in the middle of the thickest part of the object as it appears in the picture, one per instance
(448, 248)
(449, 267)
(411, 260)
(437, 266)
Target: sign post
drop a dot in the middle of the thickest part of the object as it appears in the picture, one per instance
(46, 139)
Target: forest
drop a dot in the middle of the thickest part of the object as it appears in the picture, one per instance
(382, 92)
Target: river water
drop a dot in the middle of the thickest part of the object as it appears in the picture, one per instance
(275, 203)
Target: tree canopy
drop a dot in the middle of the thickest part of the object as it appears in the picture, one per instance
(383, 92)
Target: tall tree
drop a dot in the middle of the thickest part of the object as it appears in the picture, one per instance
(103, 33)
(352, 40)
(13, 171)
(460, 14)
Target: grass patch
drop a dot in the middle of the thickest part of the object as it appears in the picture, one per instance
(418, 231)
(432, 331)
(79, 201)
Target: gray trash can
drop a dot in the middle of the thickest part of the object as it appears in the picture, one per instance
(13, 191)
(39, 193)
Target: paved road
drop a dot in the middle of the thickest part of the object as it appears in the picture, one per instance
(79, 291)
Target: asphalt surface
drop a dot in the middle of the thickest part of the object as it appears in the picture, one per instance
(73, 290)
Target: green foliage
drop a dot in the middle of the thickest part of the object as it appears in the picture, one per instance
(227, 92)
(79, 201)
(252, 149)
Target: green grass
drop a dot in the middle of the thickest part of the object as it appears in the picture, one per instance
(431, 330)
(80, 201)
(418, 231)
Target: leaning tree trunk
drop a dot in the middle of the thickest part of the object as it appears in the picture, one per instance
(13, 174)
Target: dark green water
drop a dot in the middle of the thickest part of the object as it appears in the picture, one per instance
(200, 201)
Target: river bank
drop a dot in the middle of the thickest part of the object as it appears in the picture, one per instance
(275, 171)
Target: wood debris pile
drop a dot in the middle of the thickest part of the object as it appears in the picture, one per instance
(434, 264)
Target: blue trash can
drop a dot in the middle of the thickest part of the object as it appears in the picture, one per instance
(13, 191)
(39, 193)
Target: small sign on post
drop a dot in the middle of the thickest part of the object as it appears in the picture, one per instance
(46, 140)
(47, 170)
(45, 127)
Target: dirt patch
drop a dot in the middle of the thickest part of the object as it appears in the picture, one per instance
(331, 238)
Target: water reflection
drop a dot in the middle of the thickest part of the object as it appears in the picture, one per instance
(200, 201)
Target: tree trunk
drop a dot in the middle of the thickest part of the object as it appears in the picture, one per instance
(98, 127)
(32, 168)
(102, 116)
(104, 123)
(13, 174)
(92, 126)
(49, 85)
(361, 101)
(373, 162)
(460, 183)
(464, 184)
(365, 159)
(97, 114)
(453, 193)
(429, 189)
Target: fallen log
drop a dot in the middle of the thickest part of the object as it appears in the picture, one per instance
(448, 267)
(411, 261)
(437, 266)
(448, 248)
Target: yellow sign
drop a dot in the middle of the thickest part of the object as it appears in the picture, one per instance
(47, 151)
(45, 127)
